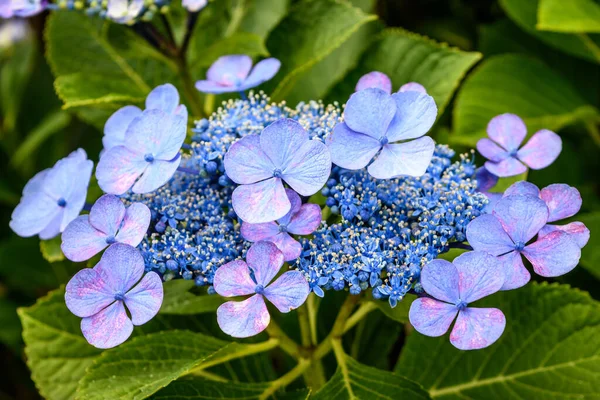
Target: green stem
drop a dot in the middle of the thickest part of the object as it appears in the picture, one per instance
(356, 341)
(312, 304)
(338, 326)
(286, 379)
(340, 356)
(189, 88)
(286, 344)
(364, 309)
(304, 325)
(211, 376)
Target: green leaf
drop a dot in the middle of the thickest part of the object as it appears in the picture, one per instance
(261, 16)
(398, 313)
(311, 32)
(10, 334)
(353, 380)
(24, 269)
(408, 57)
(519, 85)
(550, 350)
(573, 16)
(524, 14)
(590, 254)
(179, 301)
(51, 249)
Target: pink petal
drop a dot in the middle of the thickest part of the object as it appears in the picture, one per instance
(245, 162)
(260, 202)
(508, 130)
(522, 217)
(81, 241)
(263, 71)
(370, 111)
(230, 70)
(480, 275)
(145, 299)
(289, 246)
(374, 79)
(244, 318)
(120, 267)
(282, 140)
(109, 328)
(349, 149)
(403, 159)
(524, 188)
(577, 230)
(541, 150)
(440, 279)
(118, 170)
(265, 260)
(309, 168)
(306, 220)
(233, 279)
(431, 317)
(515, 273)
(415, 115)
(476, 328)
(413, 87)
(562, 200)
(257, 232)
(106, 214)
(135, 224)
(206, 86)
(288, 292)
(553, 255)
(87, 293)
(491, 150)
(505, 168)
(485, 233)
(157, 173)
(296, 203)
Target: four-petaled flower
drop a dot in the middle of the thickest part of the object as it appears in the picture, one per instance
(506, 133)
(260, 164)
(373, 122)
(238, 278)
(164, 97)
(99, 296)
(148, 157)
(506, 232)
(452, 287)
(108, 222)
(234, 73)
(53, 197)
(302, 219)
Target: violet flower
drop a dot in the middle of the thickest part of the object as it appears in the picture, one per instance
(506, 133)
(260, 164)
(53, 197)
(124, 11)
(374, 79)
(194, 5)
(412, 87)
(99, 296)
(21, 8)
(374, 124)
(453, 286)
(108, 222)
(238, 278)
(234, 73)
(302, 219)
(507, 231)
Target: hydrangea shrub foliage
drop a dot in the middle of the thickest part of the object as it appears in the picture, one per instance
(276, 208)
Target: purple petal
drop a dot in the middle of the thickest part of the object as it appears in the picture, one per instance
(69, 177)
(265, 260)
(485, 179)
(230, 70)
(135, 224)
(374, 79)
(563, 201)
(157, 134)
(370, 111)
(34, 213)
(440, 279)
(480, 275)
(306, 220)
(485, 233)
(81, 241)
(214, 87)
(288, 292)
(109, 328)
(260, 202)
(106, 214)
(415, 115)
(491, 150)
(120, 267)
(243, 319)
(515, 273)
(577, 230)
(508, 130)
(476, 328)
(522, 217)
(492, 200)
(157, 173)
(282, 140)
(524, 188)
(309, 168)
(233, 279)
(145, 299)
(553, 255)
(36, 184)
(117, 124)
(164, 97)
(505, 168)
(351, 150)
(431, 317)
(245, 162)
(118, 170)
(541, 150)
(194, 5)
(403, 159)
(262, 72)
(257, 232)
(78, 192)
(296, 203)
(413, 87)
(54, 227)
(87, 293)
(290, 247)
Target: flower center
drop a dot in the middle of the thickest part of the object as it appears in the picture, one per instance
(461, 305)
(119, 296)
(519, 246)
(383, 140)
(277, 173)
(149, 157)
(259, 289)
(111, 240)
(283, 228)
(61, 202)
(513, 153)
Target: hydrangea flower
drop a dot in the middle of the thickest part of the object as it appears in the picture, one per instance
(506, 133)
(302, 219)
(99, 296)
(194, 5)
(53, 197)
(149, 156)
(374, 79)
(260, 164)
(108, 222)
(238, 278)
(164, 98)
(412, 87)
(234, 73)
(21, 8)
(374, 122)
(452, 287)
(507, 231)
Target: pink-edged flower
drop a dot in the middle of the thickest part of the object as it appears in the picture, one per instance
(302, 219)
(99, 296)
(379, 80)
(506, 133)
(452, 287)
(240, 278)
(108, 222)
